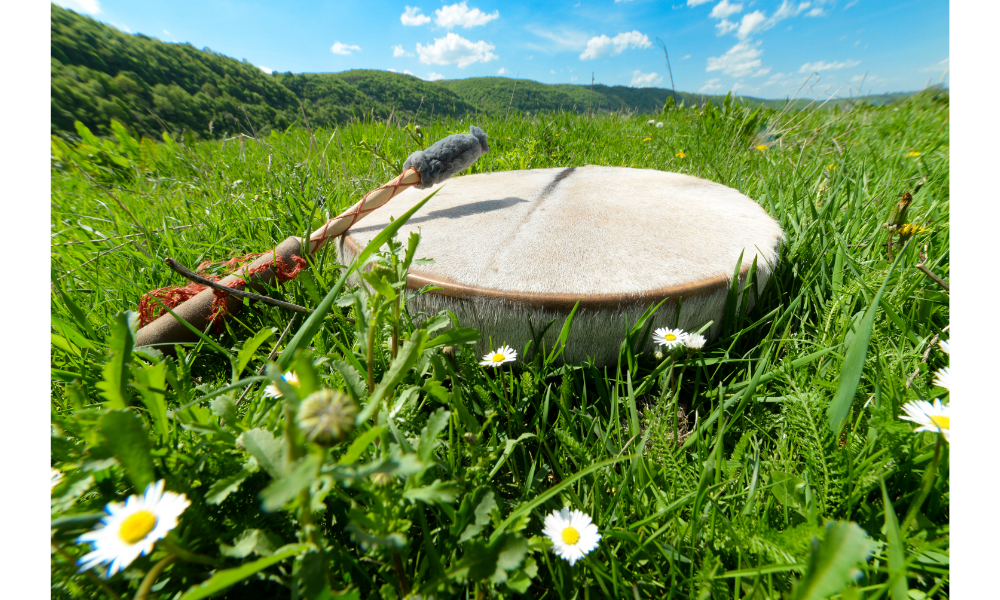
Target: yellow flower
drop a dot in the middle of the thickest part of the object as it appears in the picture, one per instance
(909, 230)
(680, 154)
(831, 167)
(646, 139)
(913, 154)
(762, 148)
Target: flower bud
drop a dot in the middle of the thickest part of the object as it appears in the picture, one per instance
(381, 479)
(898, 215)
(327, 417)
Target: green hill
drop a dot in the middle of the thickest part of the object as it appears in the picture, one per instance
(99, 73)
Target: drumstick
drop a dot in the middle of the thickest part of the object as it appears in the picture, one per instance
(200, 305)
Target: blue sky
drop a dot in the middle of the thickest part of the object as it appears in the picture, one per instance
(754, 47)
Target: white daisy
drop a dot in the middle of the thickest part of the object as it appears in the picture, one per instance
(669, 338)
(131, 529)
(572, 533)
(272, 390)
(943, 344)
(56, 478)
(694, 342)
(500, 356)
(942, 379)
(930, 416)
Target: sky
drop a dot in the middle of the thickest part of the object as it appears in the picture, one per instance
(762, 48)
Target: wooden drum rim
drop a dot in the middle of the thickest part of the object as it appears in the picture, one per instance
(565, 302)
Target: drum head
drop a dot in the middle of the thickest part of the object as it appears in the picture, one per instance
(518, 245)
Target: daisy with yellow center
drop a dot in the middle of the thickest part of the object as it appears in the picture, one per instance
(943, 344)
(572, 533)
(497, 357)
(669, 338)
(272, 390)
(130, 530)
(930, 416)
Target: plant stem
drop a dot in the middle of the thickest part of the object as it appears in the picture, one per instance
(925, 490)
(404, 583)
(88, 574)
(888, 246)
(676, 401)
(370, 355)
(187, 555)
(395, 327)
(147, 582)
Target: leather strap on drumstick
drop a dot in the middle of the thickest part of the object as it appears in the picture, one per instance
(201, 306)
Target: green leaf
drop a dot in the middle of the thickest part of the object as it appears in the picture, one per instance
(223, 487)
(356, 386)
(360, 444)
(484, 503)
(282, 491)
(854, 361)
(251, 541)
(151, 383)
(400, 368)
(832, 563)
(894, 547)
(454, 337)
(491, 560)
(560, 345)
(225, 579)
(379, 284)
(520, 580)
(116, 370)
(436, 493)
(788, 489)
(269, 452)
(249, 348)
(126, 436)
(508, 448)
(436, 423)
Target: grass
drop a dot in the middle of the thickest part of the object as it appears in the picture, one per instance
(722, 474)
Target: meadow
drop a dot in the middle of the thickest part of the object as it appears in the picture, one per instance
(773, 463)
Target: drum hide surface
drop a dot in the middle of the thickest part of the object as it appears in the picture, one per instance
(517, 245)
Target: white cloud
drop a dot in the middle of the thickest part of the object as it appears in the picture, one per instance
(166, 32)
(411, 18)
(816, 12)
(502, 71)
(868, 78)
(398, 51)
(573, 78)
(697, 2)
(640, 79)
(725, 9)
(88, 7)
(685, 57)
(710, 86)
(551, 71)
(432, 76)
(408, 72)
(563, 39)
(821, 65)
(751, 23)
(459, 15)
(602, 46)
(122, 27)
(454, 48)
(725, 26)
(739, 61)
(267, 70)
(341, 48)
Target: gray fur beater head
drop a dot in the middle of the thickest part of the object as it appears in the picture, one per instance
(448, 156)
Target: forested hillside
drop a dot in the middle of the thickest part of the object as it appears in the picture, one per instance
(100, 73)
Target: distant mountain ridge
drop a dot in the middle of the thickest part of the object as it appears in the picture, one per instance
(99, 73)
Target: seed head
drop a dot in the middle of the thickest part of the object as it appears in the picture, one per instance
(327, 417)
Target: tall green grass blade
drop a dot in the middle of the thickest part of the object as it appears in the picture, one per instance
(894, 548)
(223, 580)
(854, 361)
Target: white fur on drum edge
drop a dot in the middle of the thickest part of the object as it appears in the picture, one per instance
(595, 233)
